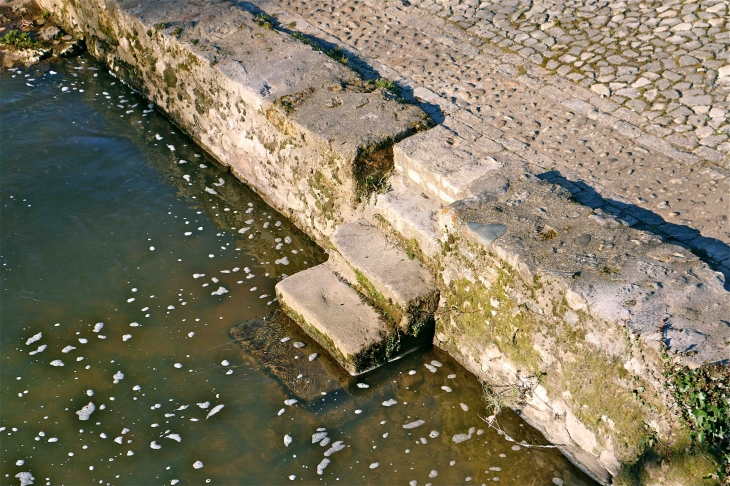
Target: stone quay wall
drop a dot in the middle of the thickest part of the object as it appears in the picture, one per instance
(565, 304)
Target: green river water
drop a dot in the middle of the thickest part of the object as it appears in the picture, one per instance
(138, 275)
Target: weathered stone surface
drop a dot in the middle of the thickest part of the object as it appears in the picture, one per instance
(412, 214)
(569, 292)
(396, 283)
(335, 316)
(444, 164)
(258, 99)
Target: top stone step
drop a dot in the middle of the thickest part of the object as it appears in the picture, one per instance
(400, 286)
(445, 165)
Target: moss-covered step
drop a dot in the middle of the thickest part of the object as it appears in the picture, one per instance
(395, 281)
(338, 318)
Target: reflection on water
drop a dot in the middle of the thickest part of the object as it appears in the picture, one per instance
(138, 276)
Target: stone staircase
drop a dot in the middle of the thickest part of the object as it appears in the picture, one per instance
(370, 303)
(375, 298)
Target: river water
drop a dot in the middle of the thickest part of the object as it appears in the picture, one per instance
(138, 276)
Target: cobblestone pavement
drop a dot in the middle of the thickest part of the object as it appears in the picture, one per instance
(504, 103)
(666, 60)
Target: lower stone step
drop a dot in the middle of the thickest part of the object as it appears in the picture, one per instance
(396, 282)
(338, 318)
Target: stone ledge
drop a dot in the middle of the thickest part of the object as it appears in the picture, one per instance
(297, 126)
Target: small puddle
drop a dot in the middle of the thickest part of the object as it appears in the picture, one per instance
(138, 275)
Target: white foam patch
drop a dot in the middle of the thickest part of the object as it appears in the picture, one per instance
(40, 349)
(86, 411)
(313, 356)
(318, 437)
(220, 291)
(175, 437)
(33, 339)
(433, 434)
(288, 440)
(68, 349)
(464, 407)
(389, 403)
(198, 464)
(118, 376)
(98, 326)
(447, 389)
(214, 411)
(415, 424)
(337, 446)
(210, 190)
(155, 445)
(363, 385)
(126, 337)
(281, 412)
(25, 477)
(57, 362)
(198, 275)
(322, 465)
(431, 368)
(374, 465)
(291, 401)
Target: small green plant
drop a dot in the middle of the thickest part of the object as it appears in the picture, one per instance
(385, 84)
(46, 14)
(19, 39)
(160, 25)
(177, 32)
(292, 25)
(264, 20)
(336, 53)
(703, 395)
(194, 41)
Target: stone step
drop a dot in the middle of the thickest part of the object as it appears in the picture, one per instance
(445, 165)
(396, 282)
(338, 318)
(410, 213)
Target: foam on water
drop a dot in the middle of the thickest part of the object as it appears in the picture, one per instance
(86, 411)
(214, 411)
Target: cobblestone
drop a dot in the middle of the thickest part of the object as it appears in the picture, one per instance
(670, 176)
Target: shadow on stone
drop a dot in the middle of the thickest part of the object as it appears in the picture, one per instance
(710, 250)
(344, 56)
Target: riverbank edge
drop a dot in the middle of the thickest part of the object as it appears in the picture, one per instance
(326, 203)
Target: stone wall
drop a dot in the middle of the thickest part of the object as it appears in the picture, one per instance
(291, 122)
(565, 306)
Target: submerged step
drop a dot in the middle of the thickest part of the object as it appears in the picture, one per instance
(337, 317)
(396, 282)
(445, 165)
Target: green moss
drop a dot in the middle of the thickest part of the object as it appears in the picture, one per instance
(391, 310)
(169, 76)
(325, 195)
(511, 328)
(21, 40)
(675, 462)
(599, 390)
